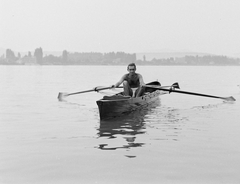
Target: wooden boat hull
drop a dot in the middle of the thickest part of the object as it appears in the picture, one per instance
(110, 108)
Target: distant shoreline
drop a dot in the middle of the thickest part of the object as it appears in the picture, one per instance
(118, 58)
(107, 65)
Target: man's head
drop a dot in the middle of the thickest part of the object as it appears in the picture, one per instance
(131, 68)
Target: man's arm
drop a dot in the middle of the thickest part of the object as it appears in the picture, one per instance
(141, 80)
(119, 82)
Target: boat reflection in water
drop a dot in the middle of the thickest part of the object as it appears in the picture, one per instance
(126, 127)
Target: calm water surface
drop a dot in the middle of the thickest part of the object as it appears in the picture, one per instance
(179, 139)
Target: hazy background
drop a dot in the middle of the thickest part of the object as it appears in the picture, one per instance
(121, 25)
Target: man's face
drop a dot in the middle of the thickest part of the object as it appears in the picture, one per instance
(131, 69)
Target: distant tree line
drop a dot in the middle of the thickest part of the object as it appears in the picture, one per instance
(197, 60)
(111, 58)
(67, 58)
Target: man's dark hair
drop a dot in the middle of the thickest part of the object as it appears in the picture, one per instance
(132, 64)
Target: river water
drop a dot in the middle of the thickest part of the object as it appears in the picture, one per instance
(179, 139)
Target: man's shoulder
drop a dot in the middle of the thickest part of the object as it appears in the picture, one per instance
(124, 76)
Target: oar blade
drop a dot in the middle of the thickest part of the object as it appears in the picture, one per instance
(230, 99)
(61, 96)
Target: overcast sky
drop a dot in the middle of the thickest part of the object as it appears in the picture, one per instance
(211, 26)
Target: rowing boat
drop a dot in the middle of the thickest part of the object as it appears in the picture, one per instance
(118, 105)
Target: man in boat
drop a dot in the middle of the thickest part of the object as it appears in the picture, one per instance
(132, 82)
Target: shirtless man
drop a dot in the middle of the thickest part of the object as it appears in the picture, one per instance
(132, 82)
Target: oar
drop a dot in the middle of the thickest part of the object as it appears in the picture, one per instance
(191, 93)
(62, 95)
